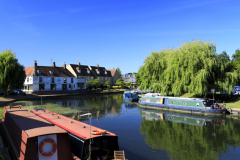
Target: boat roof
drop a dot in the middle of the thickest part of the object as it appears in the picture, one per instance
(75, 127)
(155, 95)
(31, 124)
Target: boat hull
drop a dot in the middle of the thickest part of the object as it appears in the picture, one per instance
(130, 100)
(183, 109)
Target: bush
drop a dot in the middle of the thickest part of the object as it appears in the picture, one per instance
(116, 87)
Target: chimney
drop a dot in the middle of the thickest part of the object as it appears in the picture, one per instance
(79, 63)
(35, 67)
(97, 65)
(64, 65)
(53, 64)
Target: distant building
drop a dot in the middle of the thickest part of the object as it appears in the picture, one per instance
(115, 76)
(72, 77)
(129, 77)
(94, 72)
(51, 78)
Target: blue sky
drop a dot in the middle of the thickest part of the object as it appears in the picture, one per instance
(113, 33)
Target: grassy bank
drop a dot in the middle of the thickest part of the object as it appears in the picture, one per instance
(232, 101)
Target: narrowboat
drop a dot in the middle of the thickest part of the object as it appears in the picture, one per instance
(182, 118)
(130, 96)
(192, 105)
(30, 137)
(102, 143)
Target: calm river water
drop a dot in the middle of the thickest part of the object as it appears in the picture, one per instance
(152, 134)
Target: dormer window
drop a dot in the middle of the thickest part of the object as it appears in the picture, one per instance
(51, 72)
(78, 70)
(88, 72)
(39, 72)
(105, 72)
(98, 72)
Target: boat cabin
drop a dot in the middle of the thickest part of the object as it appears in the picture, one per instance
(103, 143)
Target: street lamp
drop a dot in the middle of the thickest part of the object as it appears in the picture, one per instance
(90, 116)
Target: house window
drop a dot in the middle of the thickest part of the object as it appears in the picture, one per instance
(71, 80)
(105, 72)
(65, 80)
(40, 79)
(69, 86)
(98, 72)
(52, 79)
(79, 71)
(27, 79)
(91, 77)
(102, 78)
(88, 71)
(105, 78)
(98, 77)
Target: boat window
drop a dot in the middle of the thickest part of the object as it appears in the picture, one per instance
(197, 104)
(158, 100)
(147, 100)
(184, 103)
(172, 102)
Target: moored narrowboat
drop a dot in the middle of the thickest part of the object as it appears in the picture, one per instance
(192, 105)
(30, 137)
(103, 143)
(130, 96)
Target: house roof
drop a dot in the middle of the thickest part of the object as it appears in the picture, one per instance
(102, 70)
(29, 71)
(113, 71)
(83, 68)
(45, 71)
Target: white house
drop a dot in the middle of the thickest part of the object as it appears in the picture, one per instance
(51, 78)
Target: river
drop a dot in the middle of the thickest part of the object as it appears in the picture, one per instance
(152, 134)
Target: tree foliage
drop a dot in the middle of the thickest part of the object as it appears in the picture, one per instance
(12, 74)
(119, 72)
(96, 83)
(120, 82)
(194, 68)
(224, 57)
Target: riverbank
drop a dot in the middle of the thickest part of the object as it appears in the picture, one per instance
(49, 95)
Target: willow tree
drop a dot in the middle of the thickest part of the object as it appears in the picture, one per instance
(194, 68)
(12, 74)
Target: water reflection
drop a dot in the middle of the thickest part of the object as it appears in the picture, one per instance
(149, 134)
(189, 137)
(185, 119)
(99, 106)
(130, 105)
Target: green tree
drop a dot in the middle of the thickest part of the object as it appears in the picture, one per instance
(96, 83)
(120, 82)
(89, 84)
(224, 57)
(128, 84)
(119, 72)
(236, 56)
(12, 74)
(194, 68)
(108, 84)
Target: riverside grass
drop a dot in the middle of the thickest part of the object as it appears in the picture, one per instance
(51, 107)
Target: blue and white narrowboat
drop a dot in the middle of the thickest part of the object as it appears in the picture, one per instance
(192, 105)
(130, 96)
